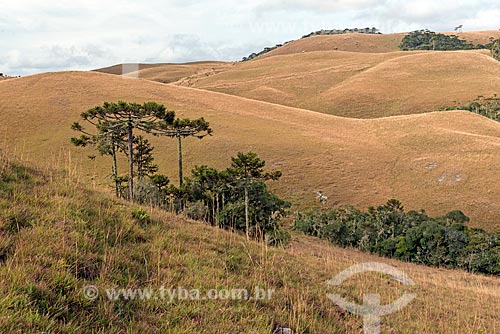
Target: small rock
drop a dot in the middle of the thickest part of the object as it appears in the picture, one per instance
(432, 165)
(283, 330)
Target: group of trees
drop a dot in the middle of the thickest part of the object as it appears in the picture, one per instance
(235, 198)
(367, 30)
(409, 236)
(485, 106)
(429, 40)
(495, 49)
(115, 125)
(264, 51)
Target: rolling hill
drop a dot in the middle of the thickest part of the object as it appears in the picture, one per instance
(367, 43)
(350, 75)
(436, 161)
(361, 85)
(347, 115)
(166, 73)
(58, 238)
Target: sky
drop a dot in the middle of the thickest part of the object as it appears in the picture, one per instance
(40, 36)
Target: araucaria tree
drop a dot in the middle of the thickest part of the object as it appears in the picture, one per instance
(107, 140)
(182, 128)
(248, 169)
(143, 157)
(121, 119)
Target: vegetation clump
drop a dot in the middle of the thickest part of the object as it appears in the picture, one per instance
(429, 40)
(488, 107)
(372, 30)
(409, 236)
(495, 49)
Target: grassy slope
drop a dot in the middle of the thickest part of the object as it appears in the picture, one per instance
(167, 73)
(367, 43)
(437, 161)
(362, 85)
(120, 69)
(58, 236)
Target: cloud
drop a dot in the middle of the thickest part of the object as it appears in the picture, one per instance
(320, 6)
(53, 58)
(53, 35)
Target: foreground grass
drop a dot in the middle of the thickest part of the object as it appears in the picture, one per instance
(56, 237)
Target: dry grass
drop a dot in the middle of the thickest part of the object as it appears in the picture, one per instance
(58, 236)
(362, 85)
(182, 72)
(122, 69)
(167, 73)
(369, 43)
(436, 161)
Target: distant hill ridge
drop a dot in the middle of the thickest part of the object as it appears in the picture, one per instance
(321, 32)
(360, 41)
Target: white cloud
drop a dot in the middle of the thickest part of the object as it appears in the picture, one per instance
(53, 35)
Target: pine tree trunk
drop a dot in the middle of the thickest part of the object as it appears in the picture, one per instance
(217, 211)
(213, 210)
(115, 168)
(247, 224)
(180, 158)
(130, 161)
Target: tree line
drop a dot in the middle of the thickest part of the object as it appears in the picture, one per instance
(410, 236)
(429, 40)
(495, 49)
(367, 30)
(488, 107)
(236, 198)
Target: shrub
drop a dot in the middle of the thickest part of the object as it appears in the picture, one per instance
(278, 237)
(141, 216)
(197, 210)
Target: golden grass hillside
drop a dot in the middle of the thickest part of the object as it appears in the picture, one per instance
(437, 161)
(362, 85)
(167, 73)
(369, 43)
(57, 237)
(120, 69)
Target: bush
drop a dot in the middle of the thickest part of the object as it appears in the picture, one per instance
(141, 216)
(146, 192)
(197, 211)
(278, 237)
